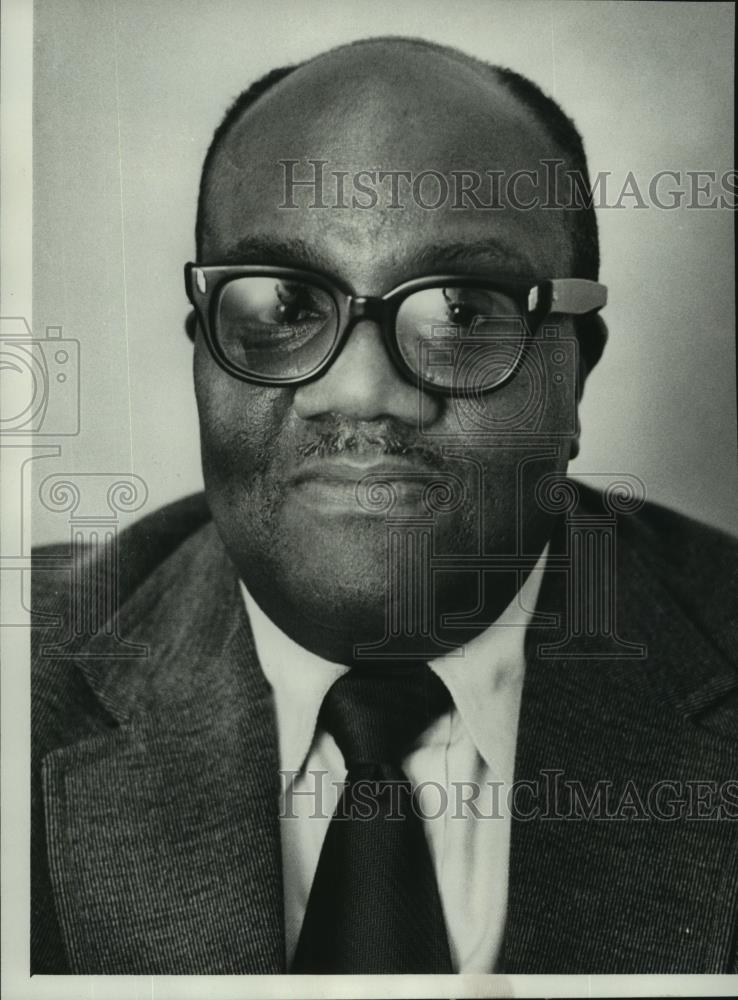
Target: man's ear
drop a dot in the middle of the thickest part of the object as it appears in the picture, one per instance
(191, 325)
(592, 334)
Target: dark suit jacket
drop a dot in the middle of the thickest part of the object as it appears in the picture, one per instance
(155, 830)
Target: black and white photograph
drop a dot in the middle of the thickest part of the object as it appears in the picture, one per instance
(369, 521)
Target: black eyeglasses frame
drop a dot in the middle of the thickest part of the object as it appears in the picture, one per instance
(536, 300)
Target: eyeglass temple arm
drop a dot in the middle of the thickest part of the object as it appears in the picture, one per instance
(575, 296)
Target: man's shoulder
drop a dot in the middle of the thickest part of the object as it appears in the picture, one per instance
(140, 549)
(75, 589)
(695, 553)
(665, 534)
(695, 562)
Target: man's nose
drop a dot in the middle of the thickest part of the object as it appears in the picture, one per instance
(363, 384)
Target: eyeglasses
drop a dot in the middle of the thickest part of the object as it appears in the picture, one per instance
(279, 326)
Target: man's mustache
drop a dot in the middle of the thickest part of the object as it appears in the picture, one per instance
(375, 438)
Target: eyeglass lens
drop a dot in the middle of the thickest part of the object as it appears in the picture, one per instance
(448, 335)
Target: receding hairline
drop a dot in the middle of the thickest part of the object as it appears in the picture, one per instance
(486, 74)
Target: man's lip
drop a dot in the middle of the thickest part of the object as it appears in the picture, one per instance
(354, 468)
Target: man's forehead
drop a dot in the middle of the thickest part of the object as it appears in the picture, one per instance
(401, 110)
(364, 104)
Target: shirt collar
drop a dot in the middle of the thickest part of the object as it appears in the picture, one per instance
(300, 681)
(484, 678)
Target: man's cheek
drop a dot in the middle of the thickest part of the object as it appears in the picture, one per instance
(221, 442)
(240, 425)
(236, 447)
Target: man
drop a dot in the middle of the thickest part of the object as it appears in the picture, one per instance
(390, 600)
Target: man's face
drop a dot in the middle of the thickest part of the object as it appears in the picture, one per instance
(282, 465)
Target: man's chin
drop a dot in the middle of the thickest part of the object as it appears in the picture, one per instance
(328, 617)
(337, 578)
(325, 579)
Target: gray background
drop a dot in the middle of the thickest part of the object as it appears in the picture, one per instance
(127, 94)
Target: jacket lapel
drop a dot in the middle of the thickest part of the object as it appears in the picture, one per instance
(163, 833)
(633, 893)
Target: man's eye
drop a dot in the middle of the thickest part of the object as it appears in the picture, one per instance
(460, 313)
(465, 305)
(264, 312)
(293, 304)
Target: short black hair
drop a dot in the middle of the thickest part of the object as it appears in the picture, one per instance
(560, 127)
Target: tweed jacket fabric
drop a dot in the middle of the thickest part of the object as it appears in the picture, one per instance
(155, 832)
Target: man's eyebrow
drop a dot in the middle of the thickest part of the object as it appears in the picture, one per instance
(292, 252)
(497, 255)
(435, 257)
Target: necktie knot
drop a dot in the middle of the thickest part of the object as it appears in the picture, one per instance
(376, 715)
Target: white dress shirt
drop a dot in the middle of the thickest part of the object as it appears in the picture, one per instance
(474, 741)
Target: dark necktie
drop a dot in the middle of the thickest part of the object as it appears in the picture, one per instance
(374, 905)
